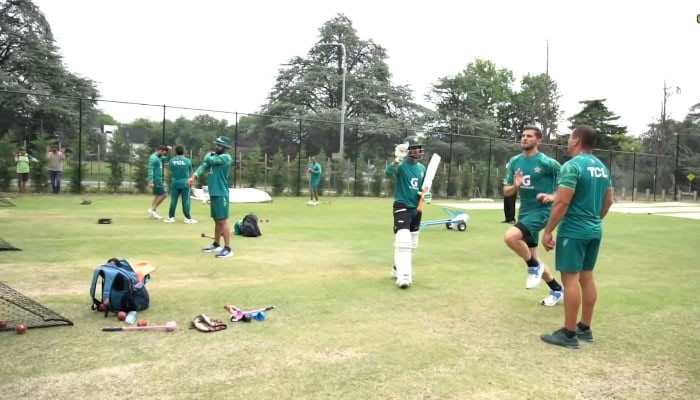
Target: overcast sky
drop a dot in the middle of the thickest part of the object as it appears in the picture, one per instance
(225, 55)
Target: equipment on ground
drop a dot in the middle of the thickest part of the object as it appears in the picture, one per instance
(104, 221)
(17, 309)
(169, 326)
(5, 246)
(456, 219)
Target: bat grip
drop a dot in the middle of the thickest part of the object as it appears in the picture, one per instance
(115, 329)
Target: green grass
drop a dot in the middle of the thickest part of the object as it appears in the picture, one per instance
(466, 329)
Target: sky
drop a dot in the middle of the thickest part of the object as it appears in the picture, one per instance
(225, 55)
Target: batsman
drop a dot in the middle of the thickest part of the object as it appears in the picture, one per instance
(409, 174)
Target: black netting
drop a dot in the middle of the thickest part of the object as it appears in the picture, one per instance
(16, 309)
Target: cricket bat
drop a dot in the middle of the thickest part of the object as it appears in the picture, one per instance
(428, 180)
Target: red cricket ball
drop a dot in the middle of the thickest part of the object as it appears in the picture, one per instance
(142, 322)
(121, 315)
(21, 329)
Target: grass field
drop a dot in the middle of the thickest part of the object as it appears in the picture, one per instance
(467, 329)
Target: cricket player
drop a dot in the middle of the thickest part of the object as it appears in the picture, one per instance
(155, 179)
(180, 169)
(219, 162)
(529, 174)
(582, 200)
(409, 174)
(315, 171)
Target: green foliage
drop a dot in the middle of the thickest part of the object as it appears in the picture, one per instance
(438, 181)
(278, 174)
(140, 174)
(252, 168)
(377, 179)
(78, 171)
(119, 154)
(453, 182)
(38, 171)
(596, 114)
(338, 176)
(467, 177)
(7, 164)
(536, 103)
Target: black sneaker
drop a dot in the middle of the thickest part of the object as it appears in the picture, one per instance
(586, 336)
(559, 338)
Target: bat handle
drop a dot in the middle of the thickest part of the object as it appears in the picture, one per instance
(115, 329)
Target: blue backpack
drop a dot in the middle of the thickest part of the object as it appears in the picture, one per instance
(121, 288)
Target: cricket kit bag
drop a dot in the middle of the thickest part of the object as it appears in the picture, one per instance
(120, 287)
(248, 226)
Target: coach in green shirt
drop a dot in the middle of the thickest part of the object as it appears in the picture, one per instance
(155, 179)
(218, 162)
(581, 202)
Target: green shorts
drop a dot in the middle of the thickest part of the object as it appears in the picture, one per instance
(576, 255)
(531, 224)
(314, 184)
(158, 189)
(219, 207)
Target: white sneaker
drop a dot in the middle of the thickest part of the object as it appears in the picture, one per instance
(555, 297)
(156, 216)
(169, 220)
(317, 202)
(534, 276)
(310, 203)
(190, 221)
(151, 213)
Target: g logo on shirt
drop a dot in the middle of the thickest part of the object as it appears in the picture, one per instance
(526, 180)
(414, 183)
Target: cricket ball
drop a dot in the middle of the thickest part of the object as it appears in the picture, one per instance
(20, 329)
(121, 315)
(102, 308)
(3, 324)
(142, 322)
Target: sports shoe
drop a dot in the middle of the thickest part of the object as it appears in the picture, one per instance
(151, 213)
(310, 203)
(156, 216)
(393, 272)
(169, 220)
(555, 297)
(534, 276)
(190, 221)
(212, 248)
(403, 283)
(317, 202)
(586, 336)
(224, 253)
(559, 338)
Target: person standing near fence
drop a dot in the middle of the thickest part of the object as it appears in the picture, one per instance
(315, 181)
(22, 159)
(529, 174)
(55, 158)
(155, 179)
(180, 170)
(581, 202)
(219, 163)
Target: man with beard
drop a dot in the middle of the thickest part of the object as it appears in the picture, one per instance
(218, 162)
(529, 174)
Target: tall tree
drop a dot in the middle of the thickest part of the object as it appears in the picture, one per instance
(596, 114)
(30, 62)
(537, 102)
(311, 87)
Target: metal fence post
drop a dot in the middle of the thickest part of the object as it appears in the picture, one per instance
(449, 167)
(634, 173)
(235, 149)
(488, 174)
(675, 172)
(656, 172)
(80, 145)
(163, 140)
(299, 161)
(357, 150)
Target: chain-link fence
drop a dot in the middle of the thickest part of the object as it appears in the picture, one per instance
(273, 153)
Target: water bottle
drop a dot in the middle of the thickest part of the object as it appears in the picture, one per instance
(131, 317)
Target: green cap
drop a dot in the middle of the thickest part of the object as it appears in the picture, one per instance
(223, 141)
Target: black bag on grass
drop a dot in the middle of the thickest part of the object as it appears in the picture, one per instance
(121, 288)
(249, 226)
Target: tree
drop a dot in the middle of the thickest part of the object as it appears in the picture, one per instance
(311, 88)
(377, 179)
(278, 174)
(119, 154)
(38, 171)
(30, 61)
(537, 102)
(252, 170)
(466, 100)
(596, 114)
(78, 170)
(140, 175)
(7, 164)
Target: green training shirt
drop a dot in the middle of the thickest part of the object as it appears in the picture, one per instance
(590, 179)
(539, 176)
(180, 169)
(409, 179)
(315, 173)
(22, 164)
(220, 165)
(155, 168)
